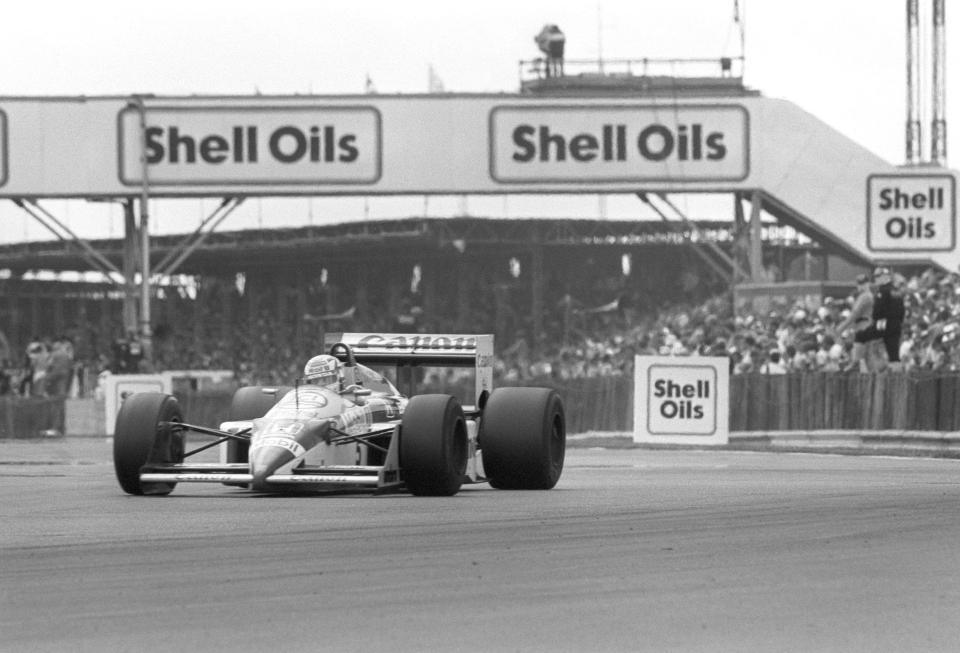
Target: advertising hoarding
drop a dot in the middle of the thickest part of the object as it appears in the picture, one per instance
(613, 143)
(911, 213)
(194, 146)
(681, 400)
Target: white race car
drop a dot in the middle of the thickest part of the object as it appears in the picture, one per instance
(359, 434)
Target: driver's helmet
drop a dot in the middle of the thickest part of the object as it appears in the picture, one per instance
(323, 370)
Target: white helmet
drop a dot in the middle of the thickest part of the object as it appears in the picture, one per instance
(322, 370)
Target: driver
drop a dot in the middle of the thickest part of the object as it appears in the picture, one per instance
(323, 370)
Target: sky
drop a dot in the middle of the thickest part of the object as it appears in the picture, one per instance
(844, 61)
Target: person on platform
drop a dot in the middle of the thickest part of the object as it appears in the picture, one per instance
(551, 41)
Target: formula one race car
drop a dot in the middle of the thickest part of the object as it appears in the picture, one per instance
(348, 427)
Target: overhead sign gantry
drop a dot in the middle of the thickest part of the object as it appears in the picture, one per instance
(91, 148)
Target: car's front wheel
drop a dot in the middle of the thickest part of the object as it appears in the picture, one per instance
(145, 432)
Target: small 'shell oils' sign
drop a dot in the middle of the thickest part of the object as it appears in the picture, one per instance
(911, 213)
(682, 400)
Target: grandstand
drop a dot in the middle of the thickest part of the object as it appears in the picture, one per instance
(465, 281)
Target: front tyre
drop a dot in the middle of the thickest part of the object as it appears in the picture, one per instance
(523, 438)
(144, 434)
(433, 445)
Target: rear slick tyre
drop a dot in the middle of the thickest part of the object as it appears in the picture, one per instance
(433, 445)
(523, 438)
(143, 435)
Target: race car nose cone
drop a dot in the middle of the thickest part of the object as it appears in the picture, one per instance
(281, 443)
(264, 461)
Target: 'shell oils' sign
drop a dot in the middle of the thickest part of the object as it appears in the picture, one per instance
(616, 143)
(274, 146)
(911, 213)
(681, 400)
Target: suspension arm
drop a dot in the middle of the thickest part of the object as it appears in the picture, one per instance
(242, 436)
(362, 438)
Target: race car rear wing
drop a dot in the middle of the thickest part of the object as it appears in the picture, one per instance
(408, 350)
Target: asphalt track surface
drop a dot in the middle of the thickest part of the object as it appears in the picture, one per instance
(635, 550)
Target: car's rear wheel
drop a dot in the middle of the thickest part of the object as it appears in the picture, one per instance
(523, 438)
(433, 445)
(250, 403)
(145, 433)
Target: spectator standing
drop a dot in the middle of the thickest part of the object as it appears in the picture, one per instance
(25, 383)
(828, 359)
(118, 355)
(888, 315)
(6, 383)
(860, 319)
(60, 369)
(5, 352)
(773, 364)
(38, 356)
(127, 354)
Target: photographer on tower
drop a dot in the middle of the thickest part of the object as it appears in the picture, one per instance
(551, 42)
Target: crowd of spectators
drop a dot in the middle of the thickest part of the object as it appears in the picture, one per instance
(796, 336)
(47, 369)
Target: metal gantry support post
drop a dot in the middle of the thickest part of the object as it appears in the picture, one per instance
(172, 261)
(146, 332)
(757, 273)
(729, 270)
(741, 239)
(130, 245)
(97, 260)
(537, 283)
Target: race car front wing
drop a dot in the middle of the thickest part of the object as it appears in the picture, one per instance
(239, 473)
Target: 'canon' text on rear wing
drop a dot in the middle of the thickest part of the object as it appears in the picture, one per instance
(409, 350)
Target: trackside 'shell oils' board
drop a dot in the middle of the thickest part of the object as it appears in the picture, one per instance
(681, 399)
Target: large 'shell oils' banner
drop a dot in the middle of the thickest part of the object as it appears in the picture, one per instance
(253, 147)
(577, 145)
